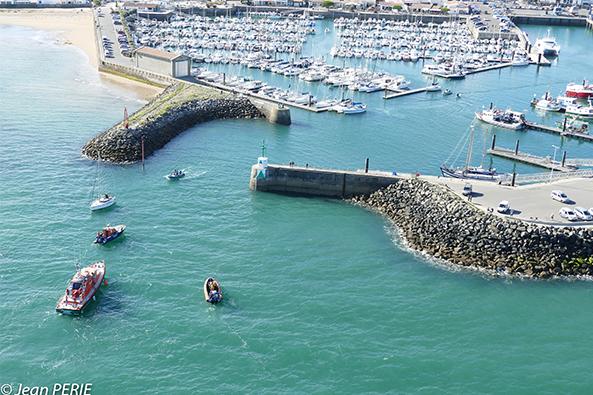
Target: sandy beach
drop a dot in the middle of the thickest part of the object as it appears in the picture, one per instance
(73, 27)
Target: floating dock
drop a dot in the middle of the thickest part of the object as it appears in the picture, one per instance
(488, 68)
(534, 160)
(558, 131)
(403, 92)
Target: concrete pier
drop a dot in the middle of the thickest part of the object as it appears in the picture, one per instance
(307, 181)
(275, 113)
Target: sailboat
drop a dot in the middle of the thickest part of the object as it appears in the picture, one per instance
(472, 172)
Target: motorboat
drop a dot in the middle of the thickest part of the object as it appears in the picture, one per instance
(580, 91)
(102, 202)
(82, 288)
(580, 111)
(175, 175)
(447, 92)
(507, 119)
(546, 103)
(109, 233)
(547, 46)
(434, 87)
(212, 291)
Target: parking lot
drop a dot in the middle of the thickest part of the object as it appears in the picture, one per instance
(529, 202)
(108, 29)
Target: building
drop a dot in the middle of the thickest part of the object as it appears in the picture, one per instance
(162, 62)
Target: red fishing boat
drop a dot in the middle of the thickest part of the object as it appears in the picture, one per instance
(580, 91)
(82, 288)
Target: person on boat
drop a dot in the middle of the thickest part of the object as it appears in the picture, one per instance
(213, 286)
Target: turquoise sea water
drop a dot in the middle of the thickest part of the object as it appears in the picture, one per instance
(320, 295)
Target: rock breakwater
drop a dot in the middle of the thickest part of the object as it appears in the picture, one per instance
(436, 221)
(176, 109)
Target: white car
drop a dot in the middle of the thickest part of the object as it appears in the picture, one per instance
(467, 190)
(504, 207)
(559, 196)
(583, 214)
(568, 213)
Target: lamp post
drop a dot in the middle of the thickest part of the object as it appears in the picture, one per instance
(553, 161)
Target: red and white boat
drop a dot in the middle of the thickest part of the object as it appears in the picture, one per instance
(82, 289)
(580, 91)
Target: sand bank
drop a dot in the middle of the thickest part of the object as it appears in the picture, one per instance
(73, 27)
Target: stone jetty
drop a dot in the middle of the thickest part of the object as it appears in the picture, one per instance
(436, 221)
(176, 109)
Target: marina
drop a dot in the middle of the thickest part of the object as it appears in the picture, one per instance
(294, 245)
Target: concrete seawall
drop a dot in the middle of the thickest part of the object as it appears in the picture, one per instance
(549, 20)
(307, 181)
(272, 111)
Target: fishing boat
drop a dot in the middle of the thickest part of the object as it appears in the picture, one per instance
(547, 103)
(175, 175)
(212, 291)
(82, 288)
(109, 233)
(102, 202)
(507, 119)
(472, 172)
(580, 91)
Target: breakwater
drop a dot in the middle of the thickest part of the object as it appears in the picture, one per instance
(176, 109)
(307, 181)
(436, 221)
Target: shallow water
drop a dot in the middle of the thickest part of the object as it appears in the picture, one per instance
(320, 297)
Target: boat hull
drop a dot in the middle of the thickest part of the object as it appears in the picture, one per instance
(206, 293)
(98, 205)
(454, 173)
(69, 308)
(119, 230)
(511, 126)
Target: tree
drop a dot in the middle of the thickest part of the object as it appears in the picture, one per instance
(397, 7)
(327, 3)
(444, 9)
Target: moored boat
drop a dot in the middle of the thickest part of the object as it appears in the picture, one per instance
(580, 91)
(82, 288)
(507, 119)
(102, 202)
(212, 291)
(472, 172)
(580, 111)
(109, 233)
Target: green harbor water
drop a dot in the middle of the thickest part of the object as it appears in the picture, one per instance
(320, 296)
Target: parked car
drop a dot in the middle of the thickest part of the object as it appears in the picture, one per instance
(504, 207)
(467, 190)
(559, 196)
(583, 214)
(568, 213)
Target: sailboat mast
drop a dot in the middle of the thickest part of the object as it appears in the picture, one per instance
(470, 147)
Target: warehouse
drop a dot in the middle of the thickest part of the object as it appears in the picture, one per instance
(162, 62)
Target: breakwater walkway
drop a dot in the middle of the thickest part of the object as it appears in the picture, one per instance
(176, 109)
(435, 218)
